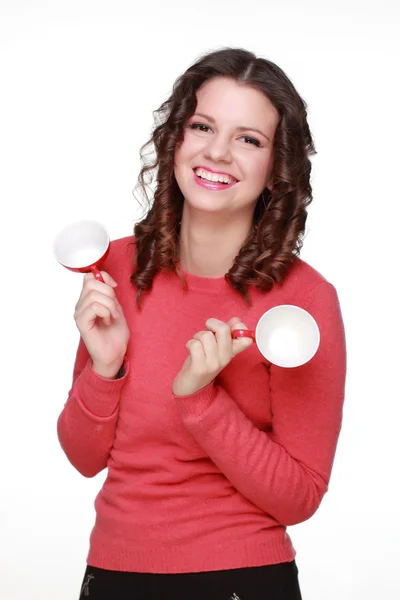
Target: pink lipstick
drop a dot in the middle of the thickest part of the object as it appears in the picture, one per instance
(213, 185)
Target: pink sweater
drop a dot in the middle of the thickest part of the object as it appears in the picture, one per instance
(208, 481)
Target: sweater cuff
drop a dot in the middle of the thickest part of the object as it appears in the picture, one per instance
(98, 396)
(195, 405)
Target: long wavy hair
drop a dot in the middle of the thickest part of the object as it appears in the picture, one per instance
(280, 213)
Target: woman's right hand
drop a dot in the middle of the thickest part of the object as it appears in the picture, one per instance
(102, 325)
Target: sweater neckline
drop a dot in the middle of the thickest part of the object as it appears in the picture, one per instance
(206, 284)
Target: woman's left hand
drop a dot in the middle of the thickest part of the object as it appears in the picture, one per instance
(210, 352)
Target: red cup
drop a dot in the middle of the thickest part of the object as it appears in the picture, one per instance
(82, 247)
(286, 335)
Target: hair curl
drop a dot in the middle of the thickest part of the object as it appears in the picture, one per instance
(280, 213)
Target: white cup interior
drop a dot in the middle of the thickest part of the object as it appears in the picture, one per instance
(287, 336)
(81, 244)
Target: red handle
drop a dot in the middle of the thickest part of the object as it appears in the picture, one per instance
(97, 273)
(237, 333)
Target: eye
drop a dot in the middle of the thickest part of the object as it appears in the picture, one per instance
(251, 140)
(199, 127)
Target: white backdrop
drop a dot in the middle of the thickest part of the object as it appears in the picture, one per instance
(79, 81)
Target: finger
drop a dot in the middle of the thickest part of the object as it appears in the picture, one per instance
(223, 337)
(96, 297)
(86, 319)
(210, 348)
(208, 341)
(234, 321)
(196, 351)
(95, 285)
(242, 343)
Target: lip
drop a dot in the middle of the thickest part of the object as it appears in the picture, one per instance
(215, 171)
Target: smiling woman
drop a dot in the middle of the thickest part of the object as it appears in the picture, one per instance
(219, 153)
(211, 450)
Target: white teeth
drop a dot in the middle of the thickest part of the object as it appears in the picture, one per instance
(214, 177)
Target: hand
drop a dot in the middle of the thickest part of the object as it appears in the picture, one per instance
(209, 353)
(102, 325)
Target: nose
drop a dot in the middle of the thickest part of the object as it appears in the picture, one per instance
(218, 149)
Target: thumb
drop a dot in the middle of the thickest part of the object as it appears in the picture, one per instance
(242, 343)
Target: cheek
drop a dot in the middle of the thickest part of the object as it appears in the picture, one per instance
(261, 169)
(177, 156)
(181, 155)
(190, 147)
(181, 162)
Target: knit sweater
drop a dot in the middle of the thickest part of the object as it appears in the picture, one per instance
(208, 481)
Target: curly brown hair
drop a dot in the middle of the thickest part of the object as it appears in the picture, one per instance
(280, 213)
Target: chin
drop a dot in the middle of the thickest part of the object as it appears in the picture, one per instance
(206, 209)
(208, 204)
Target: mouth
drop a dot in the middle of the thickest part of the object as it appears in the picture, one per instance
(216, 178)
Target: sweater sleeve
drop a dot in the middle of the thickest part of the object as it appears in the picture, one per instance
(286, 471)
(86, 425)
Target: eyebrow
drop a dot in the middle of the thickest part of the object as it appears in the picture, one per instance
(237, 128)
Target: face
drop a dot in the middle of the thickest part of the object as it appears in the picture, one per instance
(225, 159)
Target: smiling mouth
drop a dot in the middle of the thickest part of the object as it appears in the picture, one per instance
(215, 177)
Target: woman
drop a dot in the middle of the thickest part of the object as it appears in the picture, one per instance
(211, 451)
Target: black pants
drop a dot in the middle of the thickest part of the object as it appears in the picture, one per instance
(272, 582)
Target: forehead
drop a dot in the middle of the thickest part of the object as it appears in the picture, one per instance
(229, 101)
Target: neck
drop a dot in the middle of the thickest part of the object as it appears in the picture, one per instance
(209, 243)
